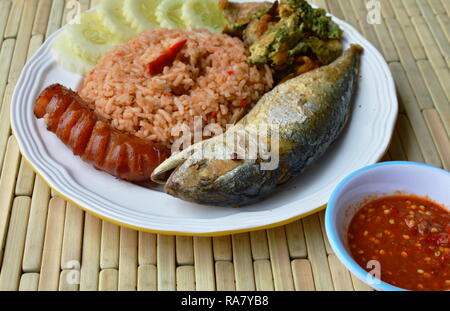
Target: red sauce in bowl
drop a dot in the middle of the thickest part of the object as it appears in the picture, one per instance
(409, 237)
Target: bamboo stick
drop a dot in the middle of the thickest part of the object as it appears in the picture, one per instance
(6, 54)
(12, 26)
(55, 17)
(147, 248)
(7, 183)
(109, 251)
(433, 24)
(444, 21)
(25, 179)
(411, 7)
(303, 277)
(279, 257)
(184, 250)
(359, 285)
(296, 240)
(435, 53)
(23, 40)
(35, 43)
(36, 227)
(73, 237)
(440, 100)
(128, 259)
(347, 10)
(409, 141)
(386, 9)
(51, 255)
(263, 275)
(5, 129)
(185, 278)
(259, 245)
(335, 9)
(387, 43)
(204, 264)
(42, 16)
(29, 282)
(225, 276)
(222, 248)
(408, 29)
(11, 267)
(320, 3)
(321, 215)
(341, 277)
(147, 278)
(108, 280)
(369, 32)
(415, 115)
(396, 149)
(89, 276)
(359, 10)
(166, 262)
(317, 253)
(64, 284)
(5, 7)
(446, 6)
(437, 7)
(243, 265)
(439, 135)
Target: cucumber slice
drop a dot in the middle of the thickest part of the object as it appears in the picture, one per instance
(67, 58)
(90, 38)
(140, 14)
(114, 19)
(203, 14)
(168, 14)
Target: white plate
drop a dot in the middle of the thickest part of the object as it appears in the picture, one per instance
(363, 142)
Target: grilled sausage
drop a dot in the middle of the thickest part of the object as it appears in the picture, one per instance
(94, 140)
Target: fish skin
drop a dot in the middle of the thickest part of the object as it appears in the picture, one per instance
(312, 111)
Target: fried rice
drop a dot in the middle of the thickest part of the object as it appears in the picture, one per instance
(210, 78)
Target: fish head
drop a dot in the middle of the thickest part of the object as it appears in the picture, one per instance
(195, 176)
(220, 182)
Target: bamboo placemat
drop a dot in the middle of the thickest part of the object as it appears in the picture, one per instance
(48, 244)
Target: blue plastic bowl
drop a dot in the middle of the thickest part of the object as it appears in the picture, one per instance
(388, 178)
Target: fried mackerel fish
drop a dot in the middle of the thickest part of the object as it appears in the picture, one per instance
(310, 111)
(290, 36)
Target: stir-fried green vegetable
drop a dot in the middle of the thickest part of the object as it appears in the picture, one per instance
(283, 33)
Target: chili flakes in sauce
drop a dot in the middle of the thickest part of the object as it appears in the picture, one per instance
(409, 236)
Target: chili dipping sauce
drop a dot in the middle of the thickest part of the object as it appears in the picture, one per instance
(409, 236)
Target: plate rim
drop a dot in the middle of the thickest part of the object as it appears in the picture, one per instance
(245, 227)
